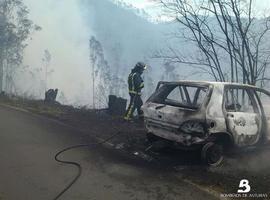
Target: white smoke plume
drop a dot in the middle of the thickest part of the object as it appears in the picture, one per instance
(65, 36)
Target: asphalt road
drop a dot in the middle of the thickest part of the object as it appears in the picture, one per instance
(28, 170)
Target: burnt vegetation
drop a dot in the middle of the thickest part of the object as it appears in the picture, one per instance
(230, 39)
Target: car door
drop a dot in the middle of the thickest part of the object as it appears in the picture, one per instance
(243, 115)
(264, 99)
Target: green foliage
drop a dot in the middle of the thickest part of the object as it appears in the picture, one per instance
(15, 29)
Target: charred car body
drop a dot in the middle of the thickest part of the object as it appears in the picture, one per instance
(211, 116)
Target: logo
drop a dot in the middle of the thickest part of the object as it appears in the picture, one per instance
(244, 186)
(243, 192)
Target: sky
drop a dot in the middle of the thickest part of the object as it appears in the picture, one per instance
(140, 3)
(146, 3)
(261, 5)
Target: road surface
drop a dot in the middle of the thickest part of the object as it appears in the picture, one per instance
(28, 171)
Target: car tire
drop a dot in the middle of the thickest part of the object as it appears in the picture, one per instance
(212, 154)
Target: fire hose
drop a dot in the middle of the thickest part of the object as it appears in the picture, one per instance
(77, 165)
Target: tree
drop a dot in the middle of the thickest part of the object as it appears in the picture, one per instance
(223, 31)
(15, 29)
(47, 62)
(102, 81)
(36, 77)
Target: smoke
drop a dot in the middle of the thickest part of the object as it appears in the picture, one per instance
(67, 26)
(66, 37)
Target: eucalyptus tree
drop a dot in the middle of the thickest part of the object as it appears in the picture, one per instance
(15, 30)
(102, 80)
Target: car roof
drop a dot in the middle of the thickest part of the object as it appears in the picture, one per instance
(204, 83)
(218, 84)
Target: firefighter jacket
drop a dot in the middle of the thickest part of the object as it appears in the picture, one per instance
(135, 83)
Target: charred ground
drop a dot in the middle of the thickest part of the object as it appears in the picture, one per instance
(130, 145)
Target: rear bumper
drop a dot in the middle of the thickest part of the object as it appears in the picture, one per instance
(171, 132)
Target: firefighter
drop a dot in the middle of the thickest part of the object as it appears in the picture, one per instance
(135, 86)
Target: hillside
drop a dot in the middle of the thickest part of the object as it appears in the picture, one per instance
(126, 38)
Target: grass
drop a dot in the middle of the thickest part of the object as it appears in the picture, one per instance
(40, 107)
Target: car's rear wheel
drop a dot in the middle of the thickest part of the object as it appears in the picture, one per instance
(212, 154)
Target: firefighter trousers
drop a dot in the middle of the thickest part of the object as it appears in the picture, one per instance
(134, 104)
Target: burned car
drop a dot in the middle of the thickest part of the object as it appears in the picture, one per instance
(210, 116)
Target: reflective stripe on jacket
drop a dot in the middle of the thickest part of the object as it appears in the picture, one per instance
(135, 83)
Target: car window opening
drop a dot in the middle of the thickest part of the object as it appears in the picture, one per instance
(181, 96)
(239, 100)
